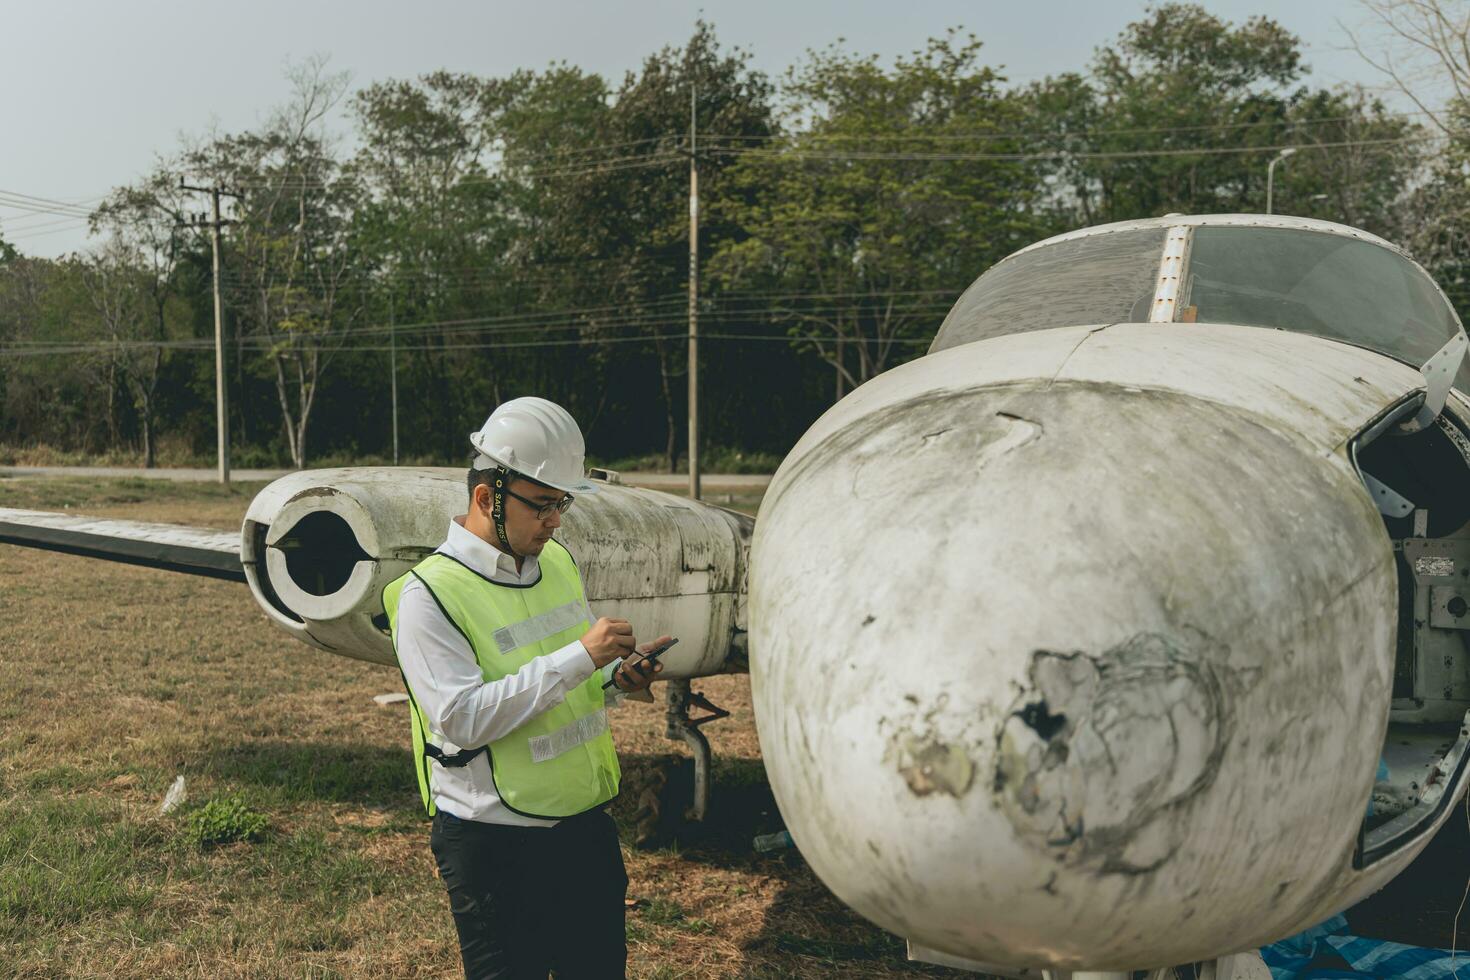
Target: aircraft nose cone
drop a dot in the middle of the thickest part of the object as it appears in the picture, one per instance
(1069, 673)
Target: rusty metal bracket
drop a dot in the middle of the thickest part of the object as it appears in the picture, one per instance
(683, 728)
(697, 700)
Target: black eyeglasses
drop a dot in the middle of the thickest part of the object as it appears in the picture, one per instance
(543, 511)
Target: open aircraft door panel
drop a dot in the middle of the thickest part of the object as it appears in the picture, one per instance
(1416, 464)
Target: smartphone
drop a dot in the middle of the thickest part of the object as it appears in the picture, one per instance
(650, 656)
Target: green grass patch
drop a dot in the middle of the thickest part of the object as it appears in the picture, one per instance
(224, 820)
(314, 868)
(666, 912)
(68, 858)
(63, 777)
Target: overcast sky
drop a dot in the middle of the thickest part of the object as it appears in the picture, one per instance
(94, 91)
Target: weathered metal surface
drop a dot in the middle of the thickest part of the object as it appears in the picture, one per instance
(1389, 501)
(1441, 612)
(1419, 763)
(1449, 607)
(1171, 268)
(1105, 647)
(1439, 377)
(180, 549)
(666, 564)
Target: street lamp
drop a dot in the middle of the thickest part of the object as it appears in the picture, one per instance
(1271, 173)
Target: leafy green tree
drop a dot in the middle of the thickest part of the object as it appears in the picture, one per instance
(871, 214)
(1184, 111)
(55, 388)
(430, 229)
(623, 224)
(135, 288)
(293, 261)
(1153, 126)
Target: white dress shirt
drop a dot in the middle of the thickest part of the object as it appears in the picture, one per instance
(462, 709)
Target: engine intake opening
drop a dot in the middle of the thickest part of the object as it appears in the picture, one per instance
(321, 552)
(257, 536)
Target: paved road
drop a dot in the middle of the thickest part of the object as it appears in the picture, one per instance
(660, 481)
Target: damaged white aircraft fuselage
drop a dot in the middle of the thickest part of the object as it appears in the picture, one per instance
(1111, 646)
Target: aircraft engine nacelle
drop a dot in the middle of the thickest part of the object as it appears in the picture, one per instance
(319, 546)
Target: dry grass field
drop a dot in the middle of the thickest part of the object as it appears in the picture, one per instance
(114, 680)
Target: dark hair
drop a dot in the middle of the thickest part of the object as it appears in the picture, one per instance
(476, 477)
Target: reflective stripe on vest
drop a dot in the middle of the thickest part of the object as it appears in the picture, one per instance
(563, 740)
(538, 628)
(561, 762)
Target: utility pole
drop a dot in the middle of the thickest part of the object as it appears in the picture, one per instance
(693, 304)
(839, 371)
(393, 354)
(221, 396)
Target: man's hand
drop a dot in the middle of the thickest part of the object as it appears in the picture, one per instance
(639, 674)
(607, 640)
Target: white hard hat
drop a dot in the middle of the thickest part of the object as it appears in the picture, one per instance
(535, 438)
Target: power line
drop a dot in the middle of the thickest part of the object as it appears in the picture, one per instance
(881, 155)
(28, 221)
(549, 154)
(919, 136)
(507, 345)
(552, 321)
(45, 204)
(41, 234)
(40, 205)
(661, 299)
(347, 340)
(618, 164)
(610, 165)
(42, 211)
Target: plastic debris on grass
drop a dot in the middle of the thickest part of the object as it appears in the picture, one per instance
(1328, 950)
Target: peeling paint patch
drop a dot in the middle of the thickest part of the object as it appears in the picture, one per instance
(1018, 432)
(1099, 747)
(321, 491)
(931, 766)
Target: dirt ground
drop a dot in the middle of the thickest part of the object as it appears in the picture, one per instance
(115, 680)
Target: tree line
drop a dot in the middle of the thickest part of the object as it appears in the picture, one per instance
(481, 238)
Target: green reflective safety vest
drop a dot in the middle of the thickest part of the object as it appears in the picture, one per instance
(560, 763)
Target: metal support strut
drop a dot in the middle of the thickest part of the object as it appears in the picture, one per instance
(682, 727)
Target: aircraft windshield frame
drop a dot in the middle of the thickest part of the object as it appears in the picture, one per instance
(1282, 273)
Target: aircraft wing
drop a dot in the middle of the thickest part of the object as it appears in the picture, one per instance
(175, 548)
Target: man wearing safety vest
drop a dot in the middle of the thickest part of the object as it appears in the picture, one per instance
(505, 668)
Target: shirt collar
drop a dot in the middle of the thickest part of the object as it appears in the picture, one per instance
(484, 557)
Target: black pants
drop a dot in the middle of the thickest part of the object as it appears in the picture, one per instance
(528, 900)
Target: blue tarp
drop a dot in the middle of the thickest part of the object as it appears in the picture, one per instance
(1327, 950)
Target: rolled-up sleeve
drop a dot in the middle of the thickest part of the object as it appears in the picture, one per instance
(459, 705)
